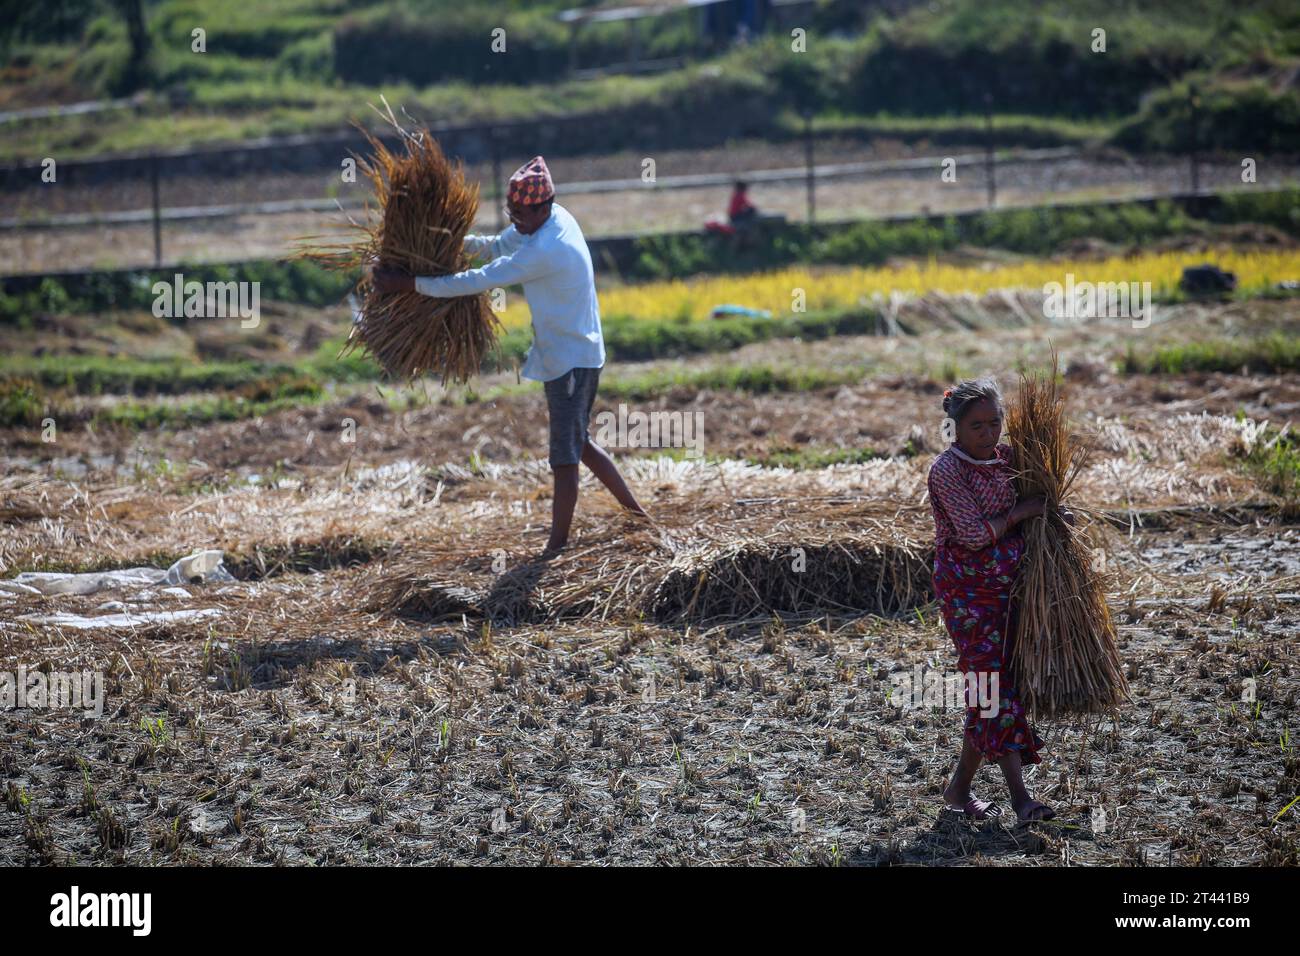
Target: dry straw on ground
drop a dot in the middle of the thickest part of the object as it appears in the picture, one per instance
(745, 579)
(677, 572)
(1065, 658)
(425, 208)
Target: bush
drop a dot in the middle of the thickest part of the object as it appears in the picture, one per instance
(1026, 61)
(873, 243)
(424, 43)
(46, 23)
(311, 58)
(1235, 117)
(22, 403)
(1280, 209)
(107, 64)
(1042, 231)
(1276, 466)
(294, 280)
(283, 385)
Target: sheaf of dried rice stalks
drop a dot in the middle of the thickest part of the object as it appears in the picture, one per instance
(425, 208)
(1065, 658)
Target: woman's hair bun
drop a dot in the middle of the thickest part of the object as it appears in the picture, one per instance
(958, 399)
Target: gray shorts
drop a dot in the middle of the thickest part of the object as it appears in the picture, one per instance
(569, 399)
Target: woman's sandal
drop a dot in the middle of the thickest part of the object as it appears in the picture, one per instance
(1033, 804)
(975, 809)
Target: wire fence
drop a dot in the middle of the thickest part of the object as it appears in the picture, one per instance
(141, 210)
(808, 174)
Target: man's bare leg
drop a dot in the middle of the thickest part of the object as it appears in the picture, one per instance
(565, 499)
(603, 467)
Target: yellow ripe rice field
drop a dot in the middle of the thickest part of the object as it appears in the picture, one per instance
(838, 287)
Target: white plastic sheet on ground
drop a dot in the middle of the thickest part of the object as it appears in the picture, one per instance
(54, 582)
(201, 567)
(128, 619)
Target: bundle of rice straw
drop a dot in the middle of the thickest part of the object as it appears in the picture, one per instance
(750, 578)
(425, 209)
(1064, 656)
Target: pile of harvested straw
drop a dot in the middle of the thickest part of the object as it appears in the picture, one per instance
(693, 573)
(1064, 641)
(750, 579)
(425, 209)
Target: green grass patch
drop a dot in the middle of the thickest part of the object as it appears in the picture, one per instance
(294, 280)
(1010, 129)
(112, 375)
(752, 379)
(33, 388)
(356, 366)
(1273, 354)
(1276, 466)
(23, 403)
(647, 386)
(203, 411)
(629, 339)
(811, 459)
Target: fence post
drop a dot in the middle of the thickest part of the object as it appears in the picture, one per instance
(157, 210)
(989, 162)
(1194, 137)
(808, 154)
(496, 176)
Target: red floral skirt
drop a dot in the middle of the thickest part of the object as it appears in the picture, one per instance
(974, 591)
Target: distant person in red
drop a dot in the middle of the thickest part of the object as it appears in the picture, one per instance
(742, 216)
(741, 210)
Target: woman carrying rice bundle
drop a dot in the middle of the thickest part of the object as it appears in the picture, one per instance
(977, 555)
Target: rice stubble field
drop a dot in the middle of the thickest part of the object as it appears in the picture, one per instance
(391, 678)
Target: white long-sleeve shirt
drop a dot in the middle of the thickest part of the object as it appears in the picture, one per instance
(554, 267)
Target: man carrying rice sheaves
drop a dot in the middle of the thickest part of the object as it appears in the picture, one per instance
(978, 548)
(544, 251)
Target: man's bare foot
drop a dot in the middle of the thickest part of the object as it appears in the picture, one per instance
(1030, 809)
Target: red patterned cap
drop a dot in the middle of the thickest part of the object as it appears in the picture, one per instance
(531, 184)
